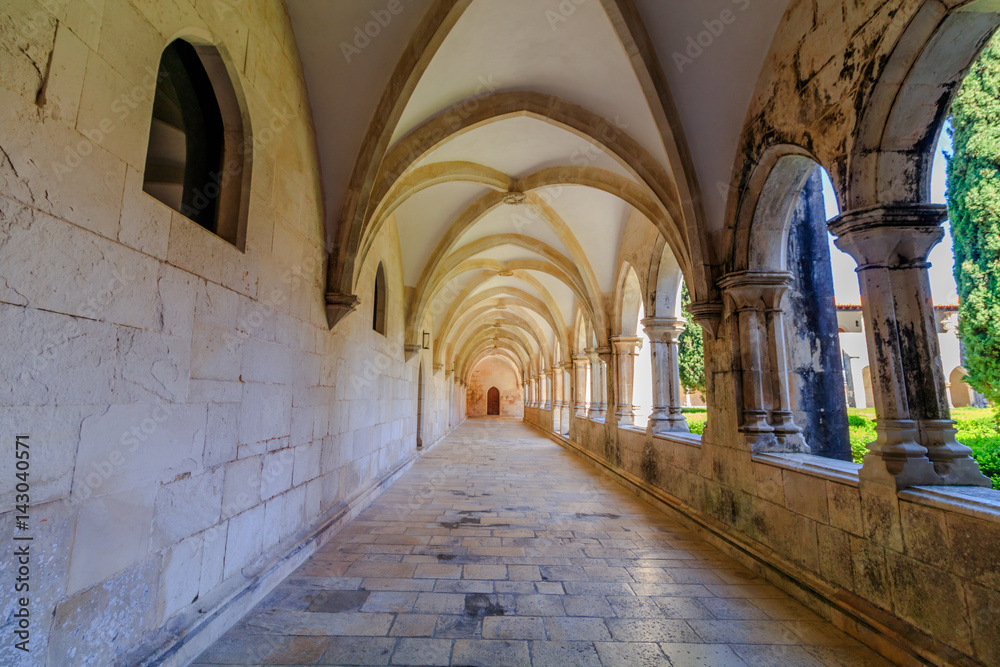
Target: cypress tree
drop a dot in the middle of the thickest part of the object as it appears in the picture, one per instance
(974, 208)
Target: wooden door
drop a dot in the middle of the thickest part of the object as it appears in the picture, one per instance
(493, 401)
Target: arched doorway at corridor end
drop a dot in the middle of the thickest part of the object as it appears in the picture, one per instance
(493, 401)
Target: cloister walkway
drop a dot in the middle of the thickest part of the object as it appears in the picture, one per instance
(499, 547)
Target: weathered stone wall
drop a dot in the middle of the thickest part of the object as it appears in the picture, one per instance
(861, 554)
(190, 414)
(494, 373)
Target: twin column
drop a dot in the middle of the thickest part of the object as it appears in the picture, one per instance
(915, 436)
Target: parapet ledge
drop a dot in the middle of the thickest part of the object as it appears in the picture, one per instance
(843, 472)
(680, 438)
(974, 501)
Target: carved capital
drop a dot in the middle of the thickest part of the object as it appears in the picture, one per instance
(891, 236)
(338, 306)
(708, 314)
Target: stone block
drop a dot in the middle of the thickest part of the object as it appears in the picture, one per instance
(975, 549)
(306, 463)
(134, 445)
(26, 40)
(806, 495)
(274, 518)
(880, 516)
(178, 291)
(216, 353)
(213, 555)
(276, 476)
(130, 42)
(58, 170)
(112, 535)
(186, 507)
(844, 503)
(114, 110)
(53, 435)
(984, 615)
(110, 282)
(179, 578)
(835, 556)
(241, 488)
(244, 540)
(64, 82)
(931, 599)
(770, 485)
(871, 578)
(267, 362)
(145, 221)
(195, 249)
(97, 626)
(266, 413)
(222, 433)
(925, 534)
(151, 367)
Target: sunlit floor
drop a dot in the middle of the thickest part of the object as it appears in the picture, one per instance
(499, 547)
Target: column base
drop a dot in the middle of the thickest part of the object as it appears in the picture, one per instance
(896, 458)
(668, 424)
(952, 460)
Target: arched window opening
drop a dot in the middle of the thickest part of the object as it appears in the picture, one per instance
(195, 157)
(379, 301)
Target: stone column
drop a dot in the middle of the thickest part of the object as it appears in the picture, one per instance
(565, 375)
(581, 366)
(597, 406)
(531, 393)
(546, 381)
(626, 349)
(527, 397)
(607, 389)
(915, 442)
(664, 338)
(767, 416)
(557, 389)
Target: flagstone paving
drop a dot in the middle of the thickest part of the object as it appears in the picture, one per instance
(499, 547)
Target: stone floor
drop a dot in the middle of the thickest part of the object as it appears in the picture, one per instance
(499, 547)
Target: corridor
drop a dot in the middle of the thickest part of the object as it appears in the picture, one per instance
(499, 547)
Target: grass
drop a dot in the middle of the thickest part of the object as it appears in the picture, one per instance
(977, 428)
(696, 418)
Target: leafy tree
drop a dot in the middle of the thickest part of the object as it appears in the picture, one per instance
(692, 350)
(974, 208)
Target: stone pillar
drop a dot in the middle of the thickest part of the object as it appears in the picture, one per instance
(581, 366)
(565, 375)
(664, 338)
(626, 349)
(546, 381)
(915, 442)
(527, 396)
(597, 406)
(767, 416)
(608, 390)
(531, 393)
(557, 389)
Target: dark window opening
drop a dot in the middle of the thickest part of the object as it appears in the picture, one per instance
(378, 315)
(194, 162)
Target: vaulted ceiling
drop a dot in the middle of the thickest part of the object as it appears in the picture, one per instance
(511, 142)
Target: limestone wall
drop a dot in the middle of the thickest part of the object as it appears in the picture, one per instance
(914, 574)
(494, 373)
(191, 416)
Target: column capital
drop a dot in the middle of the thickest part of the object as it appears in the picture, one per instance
(667, 329)
(626, 344)
(890, 235)
(708, 314)
(748, 289)
(565, 365)
(581, 359)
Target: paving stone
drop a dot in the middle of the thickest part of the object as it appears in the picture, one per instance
(491, 653)
(422, 652)
(562, 653)
(515, 559)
